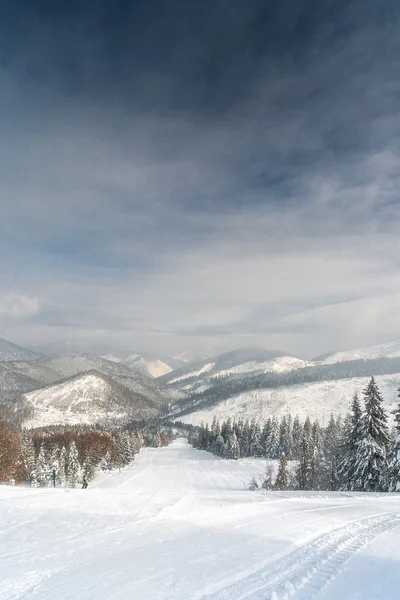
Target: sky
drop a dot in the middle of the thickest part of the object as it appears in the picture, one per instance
(200, 175)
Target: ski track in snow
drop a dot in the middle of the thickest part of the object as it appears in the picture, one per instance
(179, 524)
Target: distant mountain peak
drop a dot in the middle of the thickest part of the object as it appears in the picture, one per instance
(12, 352)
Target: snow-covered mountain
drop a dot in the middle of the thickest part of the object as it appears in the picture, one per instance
(68, 365)
(13, 382)
(11, 352)
(253, 360)
(151, 365)
(317, 400)
(43, 375)
(285, 385)
(387, 350)
(90, 397)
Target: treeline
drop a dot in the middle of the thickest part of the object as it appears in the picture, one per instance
(357, 454)
(70, 452)
(223, 387)
(287, 437)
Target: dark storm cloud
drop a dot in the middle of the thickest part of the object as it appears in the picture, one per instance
(174, 168)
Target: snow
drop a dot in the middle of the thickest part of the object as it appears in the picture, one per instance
(178, 524)
(10, 352)
(317, 400)
(150, 366)
(388, 350)
(204, 369)
(84, 399)
(68, 365)
(111, 358)
(282, 364)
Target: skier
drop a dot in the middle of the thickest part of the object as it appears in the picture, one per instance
(84, 482)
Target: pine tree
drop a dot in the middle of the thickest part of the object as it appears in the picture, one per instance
(218, 447)
(282, 478)
(353, 436)
(245, 450)
(29, 452)
(285, 436)
(253, 485)
(62, 466)
(332, 453)
(267, 483)
(265, 435)
(303, 471)
(41, 462)
(255, 448)
(297, 435)
(317, 479)
(371, 452)
(272, 445)
(394, 457)
(232, 449)
(73, 466)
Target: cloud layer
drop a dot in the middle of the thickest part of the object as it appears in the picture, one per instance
(200, 178)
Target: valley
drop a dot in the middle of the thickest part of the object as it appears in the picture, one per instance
(247, 383)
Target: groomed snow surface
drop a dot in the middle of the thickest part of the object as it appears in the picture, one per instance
(179, 524)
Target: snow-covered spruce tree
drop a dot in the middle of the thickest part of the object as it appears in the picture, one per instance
(267, 483)
(272, 443)
(394, 457)
(244, 440)
(317, 469)
(105, 463)
(265, 434)
(218, 446)
(232, 446)
(282, 478)
(303, 471)
(41, 462)
(332, 452)
(286, 437)
(370, 472)
(253, 485)
(73, 466)
(62, 466)
(297, 434)
(255, 448)
(352, 437)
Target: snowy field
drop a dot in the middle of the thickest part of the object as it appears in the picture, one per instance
(179, 525)
(316, 400)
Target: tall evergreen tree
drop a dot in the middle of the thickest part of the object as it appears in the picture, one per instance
(303, 471)
(297, 434)
(352, 437)
(73, 466)
(41, 462)
(255, 448)
(267, 483)
(272, 444)
(370, 472)
(232, 449)
(332, 452)
(394, 457)
(282, 478)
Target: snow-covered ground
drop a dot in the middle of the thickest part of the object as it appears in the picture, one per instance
(180, 525)
(317, 400)
(388, 350)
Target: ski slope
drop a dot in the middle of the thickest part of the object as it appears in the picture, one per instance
(180, 525)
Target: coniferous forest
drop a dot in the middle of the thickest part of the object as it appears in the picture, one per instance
(65, 454)
(354, 453)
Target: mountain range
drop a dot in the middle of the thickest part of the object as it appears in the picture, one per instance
(250, 382)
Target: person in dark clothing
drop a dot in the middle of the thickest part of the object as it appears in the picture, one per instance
(84, 482)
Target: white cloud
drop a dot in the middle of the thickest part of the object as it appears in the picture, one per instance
(19, 306)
